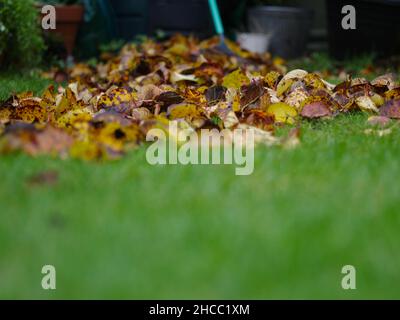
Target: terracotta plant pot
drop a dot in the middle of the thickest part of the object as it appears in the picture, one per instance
(69, 18)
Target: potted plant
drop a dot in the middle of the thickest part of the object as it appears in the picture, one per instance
(69, 16)
(288, 25)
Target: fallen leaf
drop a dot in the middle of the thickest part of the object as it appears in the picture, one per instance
(215, 94)
(316, 110)
(366, 104)
(235, 79)
(282, 112)
(391, 109)
(251, 93)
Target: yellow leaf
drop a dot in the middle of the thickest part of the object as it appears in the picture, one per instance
(377, 99)
(235, 79)
(283, 86)
(283, 112)
(183, 110)
(72, 117)
(233, 99)
(86, 150)
(271, 79)
(114, 97)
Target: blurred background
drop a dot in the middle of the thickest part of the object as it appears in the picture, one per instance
(296, 26)
(289, 29)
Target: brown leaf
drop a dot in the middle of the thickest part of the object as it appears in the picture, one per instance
(35, 141)
(315, 110)
(385, 82)
(251, 93)
(391, 109)
(259, 119)
(215, 94)
(168, 98)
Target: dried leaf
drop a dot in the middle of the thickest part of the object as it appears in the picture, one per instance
(391, 109)
(365, 103)
(316, 110)
(215, 94)
(283, 113)
(235, 79)
(251, 93)
(183, 110)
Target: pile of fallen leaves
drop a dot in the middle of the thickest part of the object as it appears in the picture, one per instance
(107, 109)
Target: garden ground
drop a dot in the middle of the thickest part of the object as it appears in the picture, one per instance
(125, 229)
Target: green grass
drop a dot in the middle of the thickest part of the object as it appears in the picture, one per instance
(355, 66)
(126, 229)
(11, 83)
(318, 61)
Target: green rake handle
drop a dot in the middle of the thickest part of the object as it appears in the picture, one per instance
(219, 27)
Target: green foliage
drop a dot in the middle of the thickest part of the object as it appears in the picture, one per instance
(12, 82)
(21, 43)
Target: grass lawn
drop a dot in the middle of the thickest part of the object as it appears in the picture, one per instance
(126, 229)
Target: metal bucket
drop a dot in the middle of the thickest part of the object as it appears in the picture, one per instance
(254, 42)
(289, 27)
